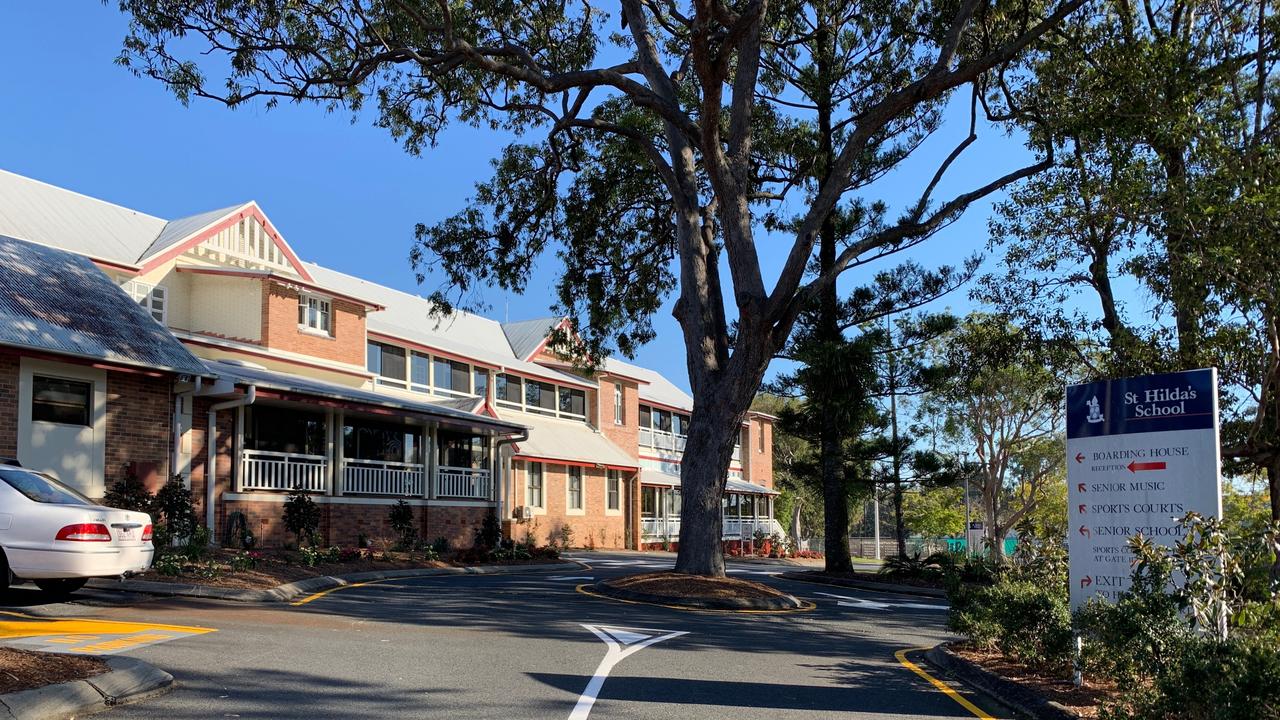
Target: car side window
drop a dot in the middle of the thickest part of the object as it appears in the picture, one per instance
(41, 488)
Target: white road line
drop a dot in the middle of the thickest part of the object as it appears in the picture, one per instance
(572, 577)
(846, 601)
(622, 641)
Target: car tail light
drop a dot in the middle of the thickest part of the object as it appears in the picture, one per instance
(146, 532)
(85, 532)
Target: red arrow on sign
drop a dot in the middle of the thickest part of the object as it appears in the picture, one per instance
(1082, 507)
(1086, 581)
(1079, 457)
(1085, 532)
(1136, 466)
(1080, 487)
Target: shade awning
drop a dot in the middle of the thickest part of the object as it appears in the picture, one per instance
(742, 486)
(567, 441)
(656, 477)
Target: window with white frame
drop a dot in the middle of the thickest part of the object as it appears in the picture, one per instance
(760, 438)
(534, 396)
(451, 377)
(153, 298)
(619, 416)
(573, 488)
(613, 490)
(508, 390)
(315, 313)
(387, 362)
(533, 490)
(573, 403)
(539, 397)
(419, 371)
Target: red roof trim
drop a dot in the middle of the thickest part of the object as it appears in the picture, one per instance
(542, 345)
(249, 209)
(577, 463)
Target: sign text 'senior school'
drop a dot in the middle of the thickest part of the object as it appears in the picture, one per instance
(1141, 453)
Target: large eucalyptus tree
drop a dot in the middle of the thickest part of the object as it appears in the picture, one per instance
(660, 139)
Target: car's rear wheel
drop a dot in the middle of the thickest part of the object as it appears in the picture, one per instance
(61, 586)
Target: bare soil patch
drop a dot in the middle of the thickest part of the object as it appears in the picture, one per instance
(681, 586)
(1083, 701)
(26, 669)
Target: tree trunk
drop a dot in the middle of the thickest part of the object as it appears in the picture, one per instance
(899, 527)
(703, 470)
(796, 531)
(835, 505)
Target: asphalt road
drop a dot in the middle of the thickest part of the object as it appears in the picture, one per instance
(518, 646)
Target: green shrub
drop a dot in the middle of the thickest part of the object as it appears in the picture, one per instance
(440, 546)
(489, 534)
(402, 523)
(130, 493)
(1024, 620)
(301, 517)
(168, 565)
(244, 560)
(174, 513)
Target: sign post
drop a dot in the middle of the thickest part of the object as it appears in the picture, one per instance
(1141, 453)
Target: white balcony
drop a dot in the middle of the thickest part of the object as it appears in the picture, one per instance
(465, 483)
(655, 529)
(264, 470)
(662, 440)
(652, 528)
(737, 453)
(376, 477)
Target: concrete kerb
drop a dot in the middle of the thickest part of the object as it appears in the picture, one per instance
(300, 588)
(865, 585)
(128, 680)
(787, 602)
(1016, 697)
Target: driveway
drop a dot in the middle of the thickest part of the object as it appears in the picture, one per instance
(533, 646)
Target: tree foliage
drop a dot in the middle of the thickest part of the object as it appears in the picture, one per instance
(658, 131)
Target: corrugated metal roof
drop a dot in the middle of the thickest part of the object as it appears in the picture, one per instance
(41, 213)
(175, 231)
(555, 439)
(742, 486)
(60, 302)
(655, 477)
(525, 336)
(659, 389)
(462, 333)
(297, 384)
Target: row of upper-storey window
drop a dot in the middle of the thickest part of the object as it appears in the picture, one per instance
(543, 398)
(398, 367)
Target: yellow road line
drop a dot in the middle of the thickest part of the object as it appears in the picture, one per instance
(322, 593)
(805, 605)
(945, 688)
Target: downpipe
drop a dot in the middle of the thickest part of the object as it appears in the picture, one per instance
(211, 455)
(500, 486)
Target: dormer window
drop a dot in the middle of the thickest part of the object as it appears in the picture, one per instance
(153, 298)
(314, 314)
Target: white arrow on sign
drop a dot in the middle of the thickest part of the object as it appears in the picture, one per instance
(622, 641)
(846, 601)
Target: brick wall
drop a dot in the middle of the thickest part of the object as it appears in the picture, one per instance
(8, 405)
(139, 426)
(343, 524)
(199, 447)
(346, 342)
(591, 529)
(627, 435)
(760, 471)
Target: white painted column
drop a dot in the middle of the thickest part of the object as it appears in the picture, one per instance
(425, 446)
(432, 462)
(237, 453)
(332, 452)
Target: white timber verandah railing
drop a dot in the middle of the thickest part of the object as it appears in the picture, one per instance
(266, 470)
(462, 482)
(378, 477)
(733, 529)
(663, 440)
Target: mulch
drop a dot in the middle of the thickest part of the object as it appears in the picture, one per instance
(1083, 701)
(25, 669)
(679, 585)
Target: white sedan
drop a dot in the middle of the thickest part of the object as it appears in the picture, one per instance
(58, 538)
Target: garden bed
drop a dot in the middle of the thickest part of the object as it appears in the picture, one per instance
(1083, 701)
(26, 669)
(263, 570)
(684, 587)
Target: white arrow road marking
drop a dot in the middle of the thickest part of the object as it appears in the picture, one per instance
(622, 641)
(846, 601)
(572, 577)
(741, 571)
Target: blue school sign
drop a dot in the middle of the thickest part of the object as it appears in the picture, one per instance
(1141, 453)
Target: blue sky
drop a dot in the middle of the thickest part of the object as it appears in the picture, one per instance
(343, 193)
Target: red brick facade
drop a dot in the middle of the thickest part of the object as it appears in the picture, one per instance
(346, 340)
(139, 416)
(759, 468)
(8, 405)
(344, 524)
(593, 528)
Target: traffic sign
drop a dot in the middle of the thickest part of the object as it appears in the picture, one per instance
(1141, 453)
